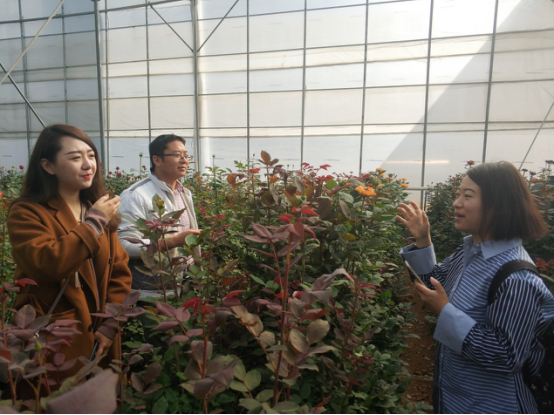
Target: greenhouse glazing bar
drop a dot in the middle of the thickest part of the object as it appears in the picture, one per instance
(23, 96)
(362, 128)
(426, 113)
(489, 87)
(99, 79)
(31, 43)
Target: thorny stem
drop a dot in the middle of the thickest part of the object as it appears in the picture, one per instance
(284, 292)
(204, 360)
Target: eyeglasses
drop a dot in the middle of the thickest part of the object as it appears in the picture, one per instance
(178, 156)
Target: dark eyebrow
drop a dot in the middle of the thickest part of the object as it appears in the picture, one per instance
(78, 152)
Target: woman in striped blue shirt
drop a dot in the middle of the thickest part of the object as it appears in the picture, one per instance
(482, 349)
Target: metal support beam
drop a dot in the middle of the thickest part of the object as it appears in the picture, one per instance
(215, 28)
(194, 15)
(536, 135)
(491, 67)
(362, 129)
(23, 96)
(423, 158)
(148, 100)
(31, 43)
(248, 83)
(303, 115)
(173, 30)
(99, 77)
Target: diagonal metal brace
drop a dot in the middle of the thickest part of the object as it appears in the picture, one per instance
(23, 96)
(31, 43)
(174, 31)
(215, 28)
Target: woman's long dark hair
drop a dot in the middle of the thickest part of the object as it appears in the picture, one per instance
(40, 186)
(509, 210)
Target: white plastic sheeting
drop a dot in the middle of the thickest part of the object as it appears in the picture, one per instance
(404, 85)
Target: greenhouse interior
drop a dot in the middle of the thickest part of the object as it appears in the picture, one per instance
(323, 138)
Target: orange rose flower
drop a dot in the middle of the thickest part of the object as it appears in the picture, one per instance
(365, 191)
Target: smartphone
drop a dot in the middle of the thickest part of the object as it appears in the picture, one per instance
(94, 350)
(413, 274)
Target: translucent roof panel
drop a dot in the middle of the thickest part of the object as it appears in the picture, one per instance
(416, 87)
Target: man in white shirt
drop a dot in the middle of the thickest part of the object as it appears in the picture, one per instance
(169, 161)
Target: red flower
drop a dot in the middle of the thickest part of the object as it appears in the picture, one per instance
(21, 167)
(128, 178)
(117, 168)
(470, 163)
(118, 174)
(143, 167)
(1, 194)
(110, 172)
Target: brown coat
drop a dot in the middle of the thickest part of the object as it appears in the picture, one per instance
(49, 246)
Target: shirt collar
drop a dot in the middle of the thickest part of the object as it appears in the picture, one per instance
(178, 186)
(491, 248)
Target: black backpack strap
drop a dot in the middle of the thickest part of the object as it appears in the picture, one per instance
(505, 271)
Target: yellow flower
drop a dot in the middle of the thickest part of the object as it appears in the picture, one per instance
(379, 169)
(404, 185)
(382, 175)
(403, 179)
(365, 191)
(389, 179)
(379, 185)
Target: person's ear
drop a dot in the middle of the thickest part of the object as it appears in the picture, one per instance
(157, 160)
(47, 166)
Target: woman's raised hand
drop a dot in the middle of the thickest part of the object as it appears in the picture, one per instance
(417, 223)
(107, 205)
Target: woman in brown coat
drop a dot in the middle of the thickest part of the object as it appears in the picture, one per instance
(64, 226)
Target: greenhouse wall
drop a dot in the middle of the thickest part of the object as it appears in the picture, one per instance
(416, 87)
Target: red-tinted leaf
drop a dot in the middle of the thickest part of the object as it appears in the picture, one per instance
(308, 211)
(151, 389)
(203, 387)
(254, 238)
(165, 309)
(234, 293)
(97, 395)
(179, 338)
(58, 359)
(135, 359)
(152, 372)
(24, 316)
(133, 312)
(230, 302)
(137, 382)
(144, 348)
(261, 230)
(182, 315)
(166, 325)
(194, 332)
(131, 299)
(24, 281)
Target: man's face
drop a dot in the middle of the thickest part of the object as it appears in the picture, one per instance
(174, 163)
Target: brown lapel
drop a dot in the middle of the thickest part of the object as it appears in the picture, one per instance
(68, 222)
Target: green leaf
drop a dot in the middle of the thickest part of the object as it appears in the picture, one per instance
(298, 341)
(331, 184)
(265, 395)
(258, 280)
(267, 338)
(317, 330)
(288, 407)
(191, 240)
(250, 404)
(238, 386)
(252, 379)
(160, 406)
(305, 391)
(239, 371)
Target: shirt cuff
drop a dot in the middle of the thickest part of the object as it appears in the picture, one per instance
(108, 328)
(96, 219)
(452, 328)
(422, 260)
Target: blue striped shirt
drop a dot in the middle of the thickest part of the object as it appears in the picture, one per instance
(481, 349)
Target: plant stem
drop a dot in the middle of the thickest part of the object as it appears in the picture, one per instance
(284, 292)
